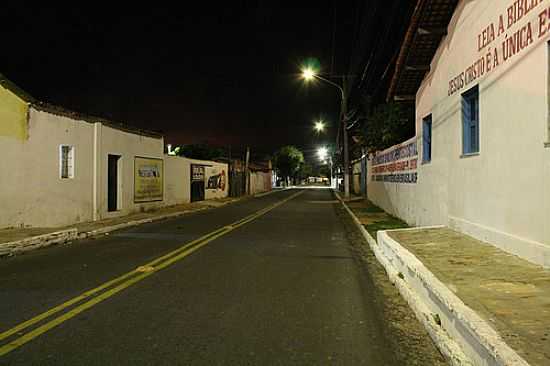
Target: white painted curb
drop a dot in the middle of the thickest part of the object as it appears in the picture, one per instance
(39, 241)
(459, 333)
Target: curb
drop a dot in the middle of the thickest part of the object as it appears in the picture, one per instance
(458, 331)
(108, 229)
(64, 236)
(36, 242)
(258, 195)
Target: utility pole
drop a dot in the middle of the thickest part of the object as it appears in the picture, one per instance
(310, 74)
(230, 176)
(345, 138)
(246, 175)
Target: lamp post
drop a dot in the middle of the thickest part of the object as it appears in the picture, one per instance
(325, 156)
(309, 74)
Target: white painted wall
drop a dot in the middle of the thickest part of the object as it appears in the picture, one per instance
(501, 195)
(127, 145)
(31, 190)
(177, 189)
(32, 193)
(398, 199)
(260, 182)
(212, 168)
(178, 179)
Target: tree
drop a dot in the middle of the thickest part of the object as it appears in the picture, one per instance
(287, 161)
(201, 151)
(387, 125)
(304, 171)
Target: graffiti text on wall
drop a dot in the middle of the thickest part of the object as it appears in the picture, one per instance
(400, 162)
(497, 42)
(216, 181)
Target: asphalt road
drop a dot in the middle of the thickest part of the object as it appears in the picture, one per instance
(285, 288)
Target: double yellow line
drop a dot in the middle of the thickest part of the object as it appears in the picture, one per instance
(110, 288)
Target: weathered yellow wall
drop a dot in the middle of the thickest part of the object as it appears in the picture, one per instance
(13, 115)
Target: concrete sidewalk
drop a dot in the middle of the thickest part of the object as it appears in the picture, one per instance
(19, 240)
(509, 293)
(496, 303)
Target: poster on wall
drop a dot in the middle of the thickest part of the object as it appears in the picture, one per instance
(216, 178)
(397, 164)
(148, 179)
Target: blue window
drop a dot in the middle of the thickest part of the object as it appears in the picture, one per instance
(470, 121)
(427, 139)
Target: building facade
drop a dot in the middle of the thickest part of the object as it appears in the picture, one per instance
(60, 168)
(480, 161)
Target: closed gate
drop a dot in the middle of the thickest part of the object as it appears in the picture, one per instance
(197, 182)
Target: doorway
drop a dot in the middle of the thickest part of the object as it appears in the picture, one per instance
(197, 182)
(113, 183)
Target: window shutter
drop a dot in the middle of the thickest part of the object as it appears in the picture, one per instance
(66, 161)
(427, 139)
(466, 118)
(70, 161)
(475, 122)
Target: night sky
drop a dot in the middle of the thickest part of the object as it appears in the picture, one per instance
(225, 74)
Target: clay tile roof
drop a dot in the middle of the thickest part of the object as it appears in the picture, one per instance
(61, 111)
(427, 28)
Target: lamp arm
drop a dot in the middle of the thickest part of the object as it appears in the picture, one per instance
(333, 84)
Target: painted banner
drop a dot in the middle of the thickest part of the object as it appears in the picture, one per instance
(397, 164)
(148, 179)
(517, 26)
(216, 178)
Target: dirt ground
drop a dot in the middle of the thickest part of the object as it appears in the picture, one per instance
(410, 341)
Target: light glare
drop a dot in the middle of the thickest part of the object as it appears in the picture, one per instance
(322, 152)
(319, 126)
(308, 74)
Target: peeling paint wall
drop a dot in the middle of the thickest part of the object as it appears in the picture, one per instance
(13, 116)
(32, 193)
(260, 182)
(127, 145)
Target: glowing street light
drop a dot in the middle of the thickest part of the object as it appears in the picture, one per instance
(308, 74)
(322, 152)
(319, 126)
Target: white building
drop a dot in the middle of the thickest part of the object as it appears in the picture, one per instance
(480, 162)
(60, 168)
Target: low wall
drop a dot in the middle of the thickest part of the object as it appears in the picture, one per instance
(177, 182)
(178, 179)
(260, 182)
(392, 180)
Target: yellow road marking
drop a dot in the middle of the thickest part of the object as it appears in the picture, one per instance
(94, 291)
(152, 267)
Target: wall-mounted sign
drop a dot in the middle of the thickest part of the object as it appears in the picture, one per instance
(517, 27)
(148, 179)
(216, 178)
(397, 164)
(197, 172)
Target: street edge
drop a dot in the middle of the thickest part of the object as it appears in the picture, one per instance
(457, 330)
(13, 248)
(37, 242)
(450, 349)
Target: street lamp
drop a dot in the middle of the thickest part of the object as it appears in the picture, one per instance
(323, 154)
(309, 74)
(319, 126)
